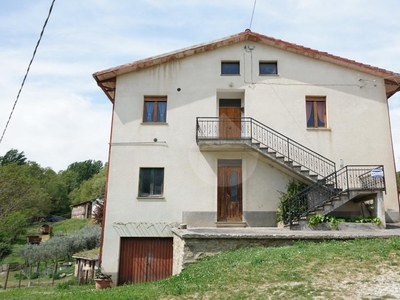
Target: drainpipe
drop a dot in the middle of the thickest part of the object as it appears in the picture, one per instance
(103, 221)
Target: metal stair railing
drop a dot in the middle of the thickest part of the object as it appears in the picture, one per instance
(349, 178)
(213, 128)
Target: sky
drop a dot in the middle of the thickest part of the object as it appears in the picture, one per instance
(62, 116)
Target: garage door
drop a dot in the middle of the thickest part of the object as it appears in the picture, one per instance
(145, 259)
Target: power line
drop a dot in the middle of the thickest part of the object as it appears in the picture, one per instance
(27, 71)
(252, 15)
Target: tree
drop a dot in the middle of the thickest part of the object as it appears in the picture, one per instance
(55, 188)
(11, 226)
(90, 189)
(85, 169)
(21, 192)
(13, 156)
(78, 172)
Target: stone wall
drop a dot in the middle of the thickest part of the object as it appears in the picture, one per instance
(189, 250)
(83, 211)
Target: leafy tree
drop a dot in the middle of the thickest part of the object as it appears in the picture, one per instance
(11, 226)
(85, 169)
(55, 188)
(70, 180)
(90, 189)
(13, 156)
(21, 192)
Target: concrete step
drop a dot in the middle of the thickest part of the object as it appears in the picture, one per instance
(230, 224)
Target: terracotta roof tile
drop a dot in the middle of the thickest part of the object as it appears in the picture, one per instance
(106, 78)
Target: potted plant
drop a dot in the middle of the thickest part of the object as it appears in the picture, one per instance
(102, 280)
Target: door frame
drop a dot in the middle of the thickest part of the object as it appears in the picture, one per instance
(230, 113)
(229, 197)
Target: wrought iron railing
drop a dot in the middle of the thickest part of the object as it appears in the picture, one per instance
(349, 178)
(249, 129)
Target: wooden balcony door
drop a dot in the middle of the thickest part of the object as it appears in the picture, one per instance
(229, 118)
(229, 191)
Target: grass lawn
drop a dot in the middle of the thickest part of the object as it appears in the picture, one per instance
(357, 269)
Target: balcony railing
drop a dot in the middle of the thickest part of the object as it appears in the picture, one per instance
(267, 138)
(349, 178)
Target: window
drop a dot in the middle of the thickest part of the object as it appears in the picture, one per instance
(230, 68)
(316, 111)
(151, 182)
(155, 109)
(268, 68)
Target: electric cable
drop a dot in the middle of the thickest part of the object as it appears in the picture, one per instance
(27, 71)
(252, 15)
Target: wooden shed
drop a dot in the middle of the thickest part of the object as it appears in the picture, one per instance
(85, 210)
(86, 264)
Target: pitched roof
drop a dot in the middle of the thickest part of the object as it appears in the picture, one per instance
(106, 79)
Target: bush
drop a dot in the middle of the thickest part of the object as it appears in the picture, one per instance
(34, 275)
(5, 249)
(316, 219)
(66, 284)
(297, 208)
(18, 276)
(63, 246)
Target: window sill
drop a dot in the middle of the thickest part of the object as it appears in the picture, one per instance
(154, 123)
(151, 198)
(319, 129)
(230, 74)
(269, 75)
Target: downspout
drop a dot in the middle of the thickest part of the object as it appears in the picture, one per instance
(391, 142)
(106, 189)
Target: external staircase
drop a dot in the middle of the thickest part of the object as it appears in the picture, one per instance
(328, 187)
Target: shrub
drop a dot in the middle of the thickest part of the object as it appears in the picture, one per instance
(295, 209)
(316, 219)
(66, 284)
(18, 276)
(34, 275)
(63, 246)
(5, 249)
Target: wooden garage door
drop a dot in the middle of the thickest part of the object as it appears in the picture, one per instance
(145, 259)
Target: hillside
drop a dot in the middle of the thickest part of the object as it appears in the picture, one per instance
(357, 269)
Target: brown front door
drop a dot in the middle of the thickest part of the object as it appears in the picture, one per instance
(229, 118)
(229, 191)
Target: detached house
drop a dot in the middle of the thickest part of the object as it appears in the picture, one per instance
(208, 136)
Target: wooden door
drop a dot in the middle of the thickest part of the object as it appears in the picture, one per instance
(145, 259)
(229, 118)
(229, 191)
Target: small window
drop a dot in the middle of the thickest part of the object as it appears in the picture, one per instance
(268, 68)
(230, 68)
(151, 182)
(155, 109)
(316, 112)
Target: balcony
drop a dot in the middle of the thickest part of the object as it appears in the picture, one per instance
(240, 134)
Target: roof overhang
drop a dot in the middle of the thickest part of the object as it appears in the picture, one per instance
(106, 79)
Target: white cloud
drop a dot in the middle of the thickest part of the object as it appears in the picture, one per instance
(58, 129)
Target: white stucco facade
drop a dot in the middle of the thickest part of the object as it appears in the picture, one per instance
(357, 132)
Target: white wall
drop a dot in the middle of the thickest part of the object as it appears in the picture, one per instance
(358, 131)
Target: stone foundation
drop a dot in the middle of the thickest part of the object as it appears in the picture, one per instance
(188, 250)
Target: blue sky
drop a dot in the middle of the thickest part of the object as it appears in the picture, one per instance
(63, 117)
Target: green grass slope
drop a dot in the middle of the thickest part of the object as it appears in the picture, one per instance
(358, 269)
